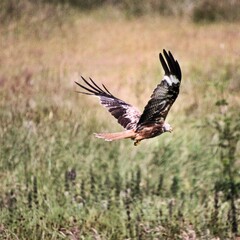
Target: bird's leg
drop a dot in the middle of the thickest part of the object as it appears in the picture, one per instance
(136, 142)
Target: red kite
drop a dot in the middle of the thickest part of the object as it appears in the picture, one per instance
(151, 122)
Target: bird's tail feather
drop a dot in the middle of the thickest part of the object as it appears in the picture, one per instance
(116, 136)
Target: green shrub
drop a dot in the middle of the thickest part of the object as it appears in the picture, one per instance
(212, 11)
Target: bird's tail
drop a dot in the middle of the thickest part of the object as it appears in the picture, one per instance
(116, 136)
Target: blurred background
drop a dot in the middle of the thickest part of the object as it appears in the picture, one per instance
(58, 181)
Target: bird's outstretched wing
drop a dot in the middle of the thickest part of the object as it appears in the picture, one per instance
(164, 94)
(127, 115)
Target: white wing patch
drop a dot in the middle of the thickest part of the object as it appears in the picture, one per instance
(171, 79)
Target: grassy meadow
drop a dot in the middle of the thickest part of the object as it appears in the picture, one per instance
(59, 182)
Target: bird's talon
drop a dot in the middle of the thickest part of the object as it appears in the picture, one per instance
(136, 143)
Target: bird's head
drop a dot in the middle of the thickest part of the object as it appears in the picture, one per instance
(167, 127)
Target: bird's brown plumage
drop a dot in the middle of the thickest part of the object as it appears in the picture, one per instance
(151, 122)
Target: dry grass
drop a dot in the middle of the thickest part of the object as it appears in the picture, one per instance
(121, 53)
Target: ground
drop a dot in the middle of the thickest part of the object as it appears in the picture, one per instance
(59, 182)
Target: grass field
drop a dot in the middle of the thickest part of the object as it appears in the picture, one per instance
(59, 182)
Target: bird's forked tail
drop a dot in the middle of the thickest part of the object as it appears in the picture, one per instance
(116, 136)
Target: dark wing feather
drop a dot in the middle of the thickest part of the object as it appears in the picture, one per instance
(165, 94)
(127, 115)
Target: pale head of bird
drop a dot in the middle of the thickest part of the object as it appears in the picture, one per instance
(167, 127)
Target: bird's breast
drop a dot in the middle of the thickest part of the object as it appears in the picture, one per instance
(149, 131)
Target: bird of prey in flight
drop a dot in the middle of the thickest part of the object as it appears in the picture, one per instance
(151, 122)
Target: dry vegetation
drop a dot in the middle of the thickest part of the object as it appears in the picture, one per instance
(122, 51)
(59, 182)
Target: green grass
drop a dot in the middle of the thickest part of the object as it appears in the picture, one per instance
(59, 182)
